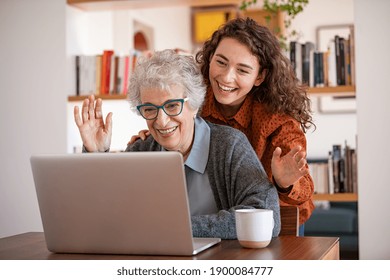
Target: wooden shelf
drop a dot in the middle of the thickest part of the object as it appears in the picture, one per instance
(108, 97)
(100, 5)
(339, 90)
(340, 197)
(335, 91)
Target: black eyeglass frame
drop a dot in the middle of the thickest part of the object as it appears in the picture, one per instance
(181, 100)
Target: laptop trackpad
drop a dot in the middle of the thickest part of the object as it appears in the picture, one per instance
(201, 244)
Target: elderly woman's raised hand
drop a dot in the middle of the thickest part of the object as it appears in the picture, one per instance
(95, 134)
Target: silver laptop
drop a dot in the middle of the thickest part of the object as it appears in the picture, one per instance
(115, 203)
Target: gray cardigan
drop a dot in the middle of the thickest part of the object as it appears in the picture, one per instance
(237, 179)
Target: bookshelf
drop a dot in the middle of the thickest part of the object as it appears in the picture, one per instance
(315, 91)
(104, 5)
(104, 97)
(337, 197)
(257, 14)
(336, 91)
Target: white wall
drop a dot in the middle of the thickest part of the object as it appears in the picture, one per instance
(373, 96)
(32, 103)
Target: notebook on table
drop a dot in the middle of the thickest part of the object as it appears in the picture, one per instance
(115, 203)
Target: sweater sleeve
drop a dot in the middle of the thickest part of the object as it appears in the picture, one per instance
(223, 223)
(238, 181)
(288, 135)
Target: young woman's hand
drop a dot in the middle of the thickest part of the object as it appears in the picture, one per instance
(290, 168)
(141, 135)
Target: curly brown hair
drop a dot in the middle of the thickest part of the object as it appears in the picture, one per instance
(281, 91)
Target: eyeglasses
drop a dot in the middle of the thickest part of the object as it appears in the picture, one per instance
(171, 107)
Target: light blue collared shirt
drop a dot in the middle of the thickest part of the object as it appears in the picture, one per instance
(200, 195)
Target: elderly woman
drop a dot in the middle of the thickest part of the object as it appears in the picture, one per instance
(223, 172)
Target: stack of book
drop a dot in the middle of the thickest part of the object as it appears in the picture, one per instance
(337, 173)
(334, 66)
(104, 73)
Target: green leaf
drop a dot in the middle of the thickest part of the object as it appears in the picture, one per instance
(291, 9)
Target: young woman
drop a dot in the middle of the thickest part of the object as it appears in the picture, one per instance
(252, 87)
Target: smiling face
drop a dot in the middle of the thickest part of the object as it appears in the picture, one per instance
(174, 133)
(234, 70)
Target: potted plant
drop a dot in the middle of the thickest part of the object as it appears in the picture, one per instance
(289, 8)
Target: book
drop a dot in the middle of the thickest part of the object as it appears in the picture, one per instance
(341, 175)
(311, 68)
(332, 72)
(86, 74)
(338, 59)
(296, 58)
(354, 171)
(347, 62)
(90, 71)
(116, 73)
(318, 69)
(111, 87)
(307, 54)
(98, 72)
(350, 169)
(105, 71)
(341, 64)
(126, 73)
(352, 54)
(319, 173)
(77, 62)
(330, 173)
(336, 157)
(293, 55)
(316, 72)
(82, 74)
(325, 68)
(120, 75)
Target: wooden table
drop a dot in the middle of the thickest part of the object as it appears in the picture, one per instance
(32, 246)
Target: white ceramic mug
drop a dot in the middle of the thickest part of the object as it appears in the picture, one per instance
(254, 227)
